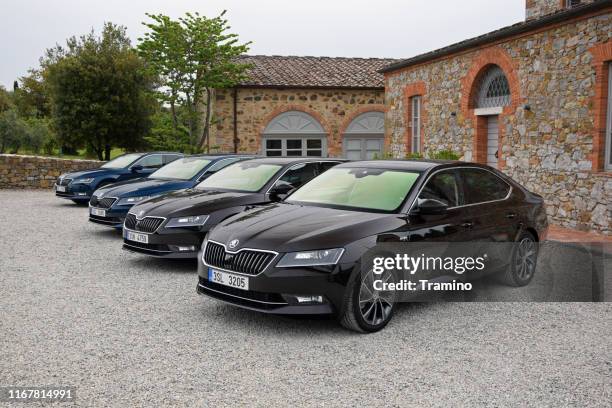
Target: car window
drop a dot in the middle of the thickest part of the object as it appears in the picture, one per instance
(154, 161)
(482, 186)
(442, 187)
(364, 188)
(298, 175)
(221, 164)
(324, 166)
(169, 158)
(122, 161)
(244, 176)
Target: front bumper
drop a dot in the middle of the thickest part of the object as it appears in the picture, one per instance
(168, 243)
(115, 215)
(76, 192)
(276, 290)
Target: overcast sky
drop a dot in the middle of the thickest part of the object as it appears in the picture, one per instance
(348, 28)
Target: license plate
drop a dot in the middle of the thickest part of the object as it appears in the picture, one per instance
(228, 279)
(61, 189)
(134, 236)
(98, 212)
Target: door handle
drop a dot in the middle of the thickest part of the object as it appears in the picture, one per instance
(467, 224)
(511, 215)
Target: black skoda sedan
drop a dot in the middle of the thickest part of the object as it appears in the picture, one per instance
(302, 255)
(174, 225)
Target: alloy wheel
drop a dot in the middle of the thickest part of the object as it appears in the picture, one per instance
(526, 257)
(375, 305)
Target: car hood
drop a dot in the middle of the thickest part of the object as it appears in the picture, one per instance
(193, 202)
(286, 227)
(92, 173)
(142, 187)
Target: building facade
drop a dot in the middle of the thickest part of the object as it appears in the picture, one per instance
(530, 99)
(304, 106)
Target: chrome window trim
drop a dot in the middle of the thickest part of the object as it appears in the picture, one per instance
(240, 297)
(235, 252)
(464, 205)
(297, 164)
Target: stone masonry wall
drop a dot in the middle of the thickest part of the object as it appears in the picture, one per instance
(549, 147)
(333, 108)
(539, 8)
(18, 171)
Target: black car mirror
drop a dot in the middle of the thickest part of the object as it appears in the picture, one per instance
(136, 168)
(280, 191)
(430, 206)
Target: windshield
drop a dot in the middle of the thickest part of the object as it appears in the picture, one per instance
(181, 169)
(247, 177)
(122, 161)
(373, 189)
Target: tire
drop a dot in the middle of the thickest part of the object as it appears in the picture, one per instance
(357, 319)
(523, 263)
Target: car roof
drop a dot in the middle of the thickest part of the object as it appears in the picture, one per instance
(283, 161)
(220, 156)
(414, 165)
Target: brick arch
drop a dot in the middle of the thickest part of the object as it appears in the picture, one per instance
(287, 108)
(359, 111)
(469, 85)
(602, 56)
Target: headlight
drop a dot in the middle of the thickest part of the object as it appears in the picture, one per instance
(311, 258)
(133, 200)
(182, 222)
(84, 180)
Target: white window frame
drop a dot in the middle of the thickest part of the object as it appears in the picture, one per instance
(416, 107)
(608, 141)
(304, 147)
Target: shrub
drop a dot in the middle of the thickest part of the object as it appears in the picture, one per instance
(445, 155)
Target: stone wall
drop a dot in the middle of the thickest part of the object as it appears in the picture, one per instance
(549, 137)
(18, 171)
(333, 108)
(539, 8)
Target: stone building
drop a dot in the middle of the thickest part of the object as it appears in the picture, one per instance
(530, 99)
(304, 106)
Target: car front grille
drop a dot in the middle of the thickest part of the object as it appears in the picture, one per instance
(245, 261)
(147, 224)
(103, 203)
(63, 181)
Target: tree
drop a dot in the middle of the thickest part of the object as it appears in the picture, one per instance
(101, 94)
(192, 56)
(13, 131)
(6, 100)
(32, 96)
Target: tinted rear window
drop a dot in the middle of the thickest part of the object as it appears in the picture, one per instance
(482, 186)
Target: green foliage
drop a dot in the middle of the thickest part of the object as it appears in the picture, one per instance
(383, 156)
(164, 136)
(100, 92)
(444, 155)
(32, 96)
(192, 56)
(414, 156)
(6, 100)
(40, 136)
(13, 131)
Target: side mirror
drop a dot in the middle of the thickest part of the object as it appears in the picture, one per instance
(430, 206)
(280, 191)
(136, 168)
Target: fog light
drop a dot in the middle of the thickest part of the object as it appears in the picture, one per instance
(190, 248)
(82, 194)
(309, 299)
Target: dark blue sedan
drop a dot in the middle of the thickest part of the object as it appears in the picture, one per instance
(109, 205)
(78, 186)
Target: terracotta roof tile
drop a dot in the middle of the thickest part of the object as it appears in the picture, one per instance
(316, 72)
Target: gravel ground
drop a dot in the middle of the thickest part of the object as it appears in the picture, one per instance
(130, 331)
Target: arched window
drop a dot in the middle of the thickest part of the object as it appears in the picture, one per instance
(494, 89)
(296, 134)
(364, 137)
